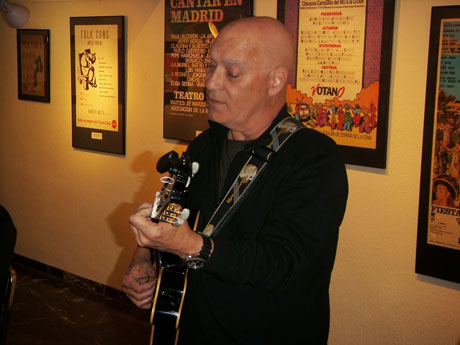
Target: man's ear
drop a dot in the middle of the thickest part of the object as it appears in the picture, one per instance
(277, 79)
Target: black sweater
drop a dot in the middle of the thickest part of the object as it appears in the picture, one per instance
(267, 281)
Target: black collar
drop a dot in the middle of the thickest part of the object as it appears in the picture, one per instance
(219, 132)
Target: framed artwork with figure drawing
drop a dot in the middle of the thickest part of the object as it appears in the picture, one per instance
(98, 83)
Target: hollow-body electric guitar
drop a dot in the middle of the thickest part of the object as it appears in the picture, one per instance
(171, 270)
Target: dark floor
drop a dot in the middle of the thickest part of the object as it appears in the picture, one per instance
(52, 311)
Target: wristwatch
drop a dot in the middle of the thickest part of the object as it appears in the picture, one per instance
(198, 261)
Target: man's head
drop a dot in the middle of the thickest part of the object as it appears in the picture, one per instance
(246, 79)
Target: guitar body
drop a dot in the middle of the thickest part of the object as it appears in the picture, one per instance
(167, 305)
(172, 272)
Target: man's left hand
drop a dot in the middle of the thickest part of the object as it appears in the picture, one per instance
(179, 240)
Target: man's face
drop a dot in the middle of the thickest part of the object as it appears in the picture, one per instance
(236, 83)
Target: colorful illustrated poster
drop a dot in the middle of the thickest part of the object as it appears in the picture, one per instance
(444, 218)
(438, 234)
(341, 86)
(98, 83)
(190, 29)
(33, 65)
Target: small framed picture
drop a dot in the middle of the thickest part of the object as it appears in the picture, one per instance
(33, 64)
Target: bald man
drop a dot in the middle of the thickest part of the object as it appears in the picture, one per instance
(266, 274)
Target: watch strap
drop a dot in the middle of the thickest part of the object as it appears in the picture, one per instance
(199, 261)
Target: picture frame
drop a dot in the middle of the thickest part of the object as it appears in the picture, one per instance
(98, 83)
(438, 233)
(343, 70)
(33, 54)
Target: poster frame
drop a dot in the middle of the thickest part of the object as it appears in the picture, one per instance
(376, 158)
(45, 65)
(105, 140)
(433, 260)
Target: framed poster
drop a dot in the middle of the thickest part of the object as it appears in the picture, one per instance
(33, 64)
(438, 237)
(98, 83)
(190, 29)
(342, 79)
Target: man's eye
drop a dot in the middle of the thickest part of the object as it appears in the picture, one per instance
(233, 75)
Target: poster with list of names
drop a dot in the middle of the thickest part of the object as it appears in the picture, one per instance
(331, 50)
(190, 30)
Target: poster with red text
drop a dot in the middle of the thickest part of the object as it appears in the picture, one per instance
(32, 65)
(98, 83)
(341, 84)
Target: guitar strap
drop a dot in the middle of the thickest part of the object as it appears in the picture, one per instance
(243, 183)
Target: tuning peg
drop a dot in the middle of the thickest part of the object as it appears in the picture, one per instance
(182, 217)
(195, 167)
(168, 161)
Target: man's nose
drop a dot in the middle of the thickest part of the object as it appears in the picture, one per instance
(213, 79)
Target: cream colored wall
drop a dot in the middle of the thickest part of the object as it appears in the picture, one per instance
(71, 206)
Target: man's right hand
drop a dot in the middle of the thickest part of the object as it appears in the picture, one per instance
(140, 280)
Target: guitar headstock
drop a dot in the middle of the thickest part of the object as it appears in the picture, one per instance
(167, 205)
